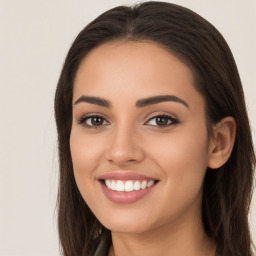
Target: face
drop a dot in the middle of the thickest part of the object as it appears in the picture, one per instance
(139, 141)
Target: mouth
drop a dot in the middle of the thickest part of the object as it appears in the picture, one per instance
(126, 187)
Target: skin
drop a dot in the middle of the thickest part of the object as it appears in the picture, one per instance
(168, 220)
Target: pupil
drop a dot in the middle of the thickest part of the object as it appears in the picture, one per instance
(97, 121)
(162, 120)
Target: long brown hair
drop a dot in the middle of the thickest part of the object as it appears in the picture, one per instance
(227, 190)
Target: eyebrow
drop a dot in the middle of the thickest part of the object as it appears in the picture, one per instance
(94, 100)
(139, 104)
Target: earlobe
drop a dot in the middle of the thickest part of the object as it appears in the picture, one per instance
(221, 145)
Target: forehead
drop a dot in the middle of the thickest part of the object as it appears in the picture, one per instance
(134, 70)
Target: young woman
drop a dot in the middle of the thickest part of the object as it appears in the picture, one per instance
(155, 148)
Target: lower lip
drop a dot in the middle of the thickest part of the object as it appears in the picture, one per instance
(125, 197)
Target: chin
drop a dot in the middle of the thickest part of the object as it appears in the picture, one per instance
(126, 224)
(126, 228)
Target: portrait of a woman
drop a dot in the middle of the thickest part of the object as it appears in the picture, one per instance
(155, 147)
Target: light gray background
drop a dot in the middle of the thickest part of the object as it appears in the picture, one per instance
(34, 38)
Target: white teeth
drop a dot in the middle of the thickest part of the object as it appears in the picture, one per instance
(150, 183)
(128, 186)
(143, 184)
(136, 185)
(108, 183)
(113, 185)
(119, 186)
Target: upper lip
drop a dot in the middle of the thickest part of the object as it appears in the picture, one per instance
(125, 175)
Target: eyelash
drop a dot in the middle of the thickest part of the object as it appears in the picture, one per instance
(83, 119)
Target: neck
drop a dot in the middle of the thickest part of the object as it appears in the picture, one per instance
(183, 239)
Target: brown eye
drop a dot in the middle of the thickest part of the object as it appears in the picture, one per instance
(93, 121)
(162, 121)
(96, 120)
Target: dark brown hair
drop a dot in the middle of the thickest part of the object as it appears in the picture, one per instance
(227, 190)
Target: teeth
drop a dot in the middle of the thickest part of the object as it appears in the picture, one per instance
(136, 185)
(128, 186)
(108, 183)
(150, 183)
(119, 186)
(143, 184)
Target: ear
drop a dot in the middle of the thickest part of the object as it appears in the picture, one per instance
(221, 145)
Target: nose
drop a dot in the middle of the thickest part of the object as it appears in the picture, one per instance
(124, 147)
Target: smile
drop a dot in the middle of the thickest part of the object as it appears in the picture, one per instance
(125, 187)
(129, 185)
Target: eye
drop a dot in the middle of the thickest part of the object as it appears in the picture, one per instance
(93, 121)
(162, 121)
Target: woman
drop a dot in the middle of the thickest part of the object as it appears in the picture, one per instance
(155, 148)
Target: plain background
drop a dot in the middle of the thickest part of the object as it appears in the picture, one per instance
(35, 36)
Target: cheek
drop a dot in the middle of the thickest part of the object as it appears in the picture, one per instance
(183, 160)
(85, 154)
